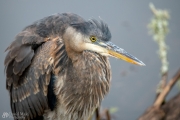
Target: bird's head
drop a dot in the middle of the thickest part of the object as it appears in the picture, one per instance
(95, 36)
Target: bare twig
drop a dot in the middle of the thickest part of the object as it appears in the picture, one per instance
(162, 85)
(166, 90)
(97, 114)
(164, 79)
(153, 9)
(108, 114)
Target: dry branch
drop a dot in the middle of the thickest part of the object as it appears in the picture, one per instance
(166, 90)
(168, 111)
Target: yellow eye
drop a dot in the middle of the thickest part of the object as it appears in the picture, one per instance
(93, 39)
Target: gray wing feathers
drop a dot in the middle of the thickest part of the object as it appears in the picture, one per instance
(29, 63)
(28, 74)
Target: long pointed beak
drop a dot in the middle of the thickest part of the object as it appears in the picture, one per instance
(120, 53)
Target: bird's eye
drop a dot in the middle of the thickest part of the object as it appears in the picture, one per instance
(93, 39)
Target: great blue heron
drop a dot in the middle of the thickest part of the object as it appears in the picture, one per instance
(58, 68)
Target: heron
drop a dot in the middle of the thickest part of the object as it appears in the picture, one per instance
(58, 69)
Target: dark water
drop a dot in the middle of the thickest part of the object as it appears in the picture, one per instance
(133, 87)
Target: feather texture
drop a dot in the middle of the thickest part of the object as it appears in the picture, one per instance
(40, 76)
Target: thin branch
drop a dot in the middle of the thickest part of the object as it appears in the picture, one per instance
(97, 114)
(162, 84)
(164, 79)
(166, 90)
(153, 9)
(108, 114)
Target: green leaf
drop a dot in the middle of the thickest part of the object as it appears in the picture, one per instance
(178, 84)
(113, 110)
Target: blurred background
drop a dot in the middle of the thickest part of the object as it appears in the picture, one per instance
(133, 87)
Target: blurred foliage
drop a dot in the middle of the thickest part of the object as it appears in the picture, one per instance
(158, 27)
(113, 110)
